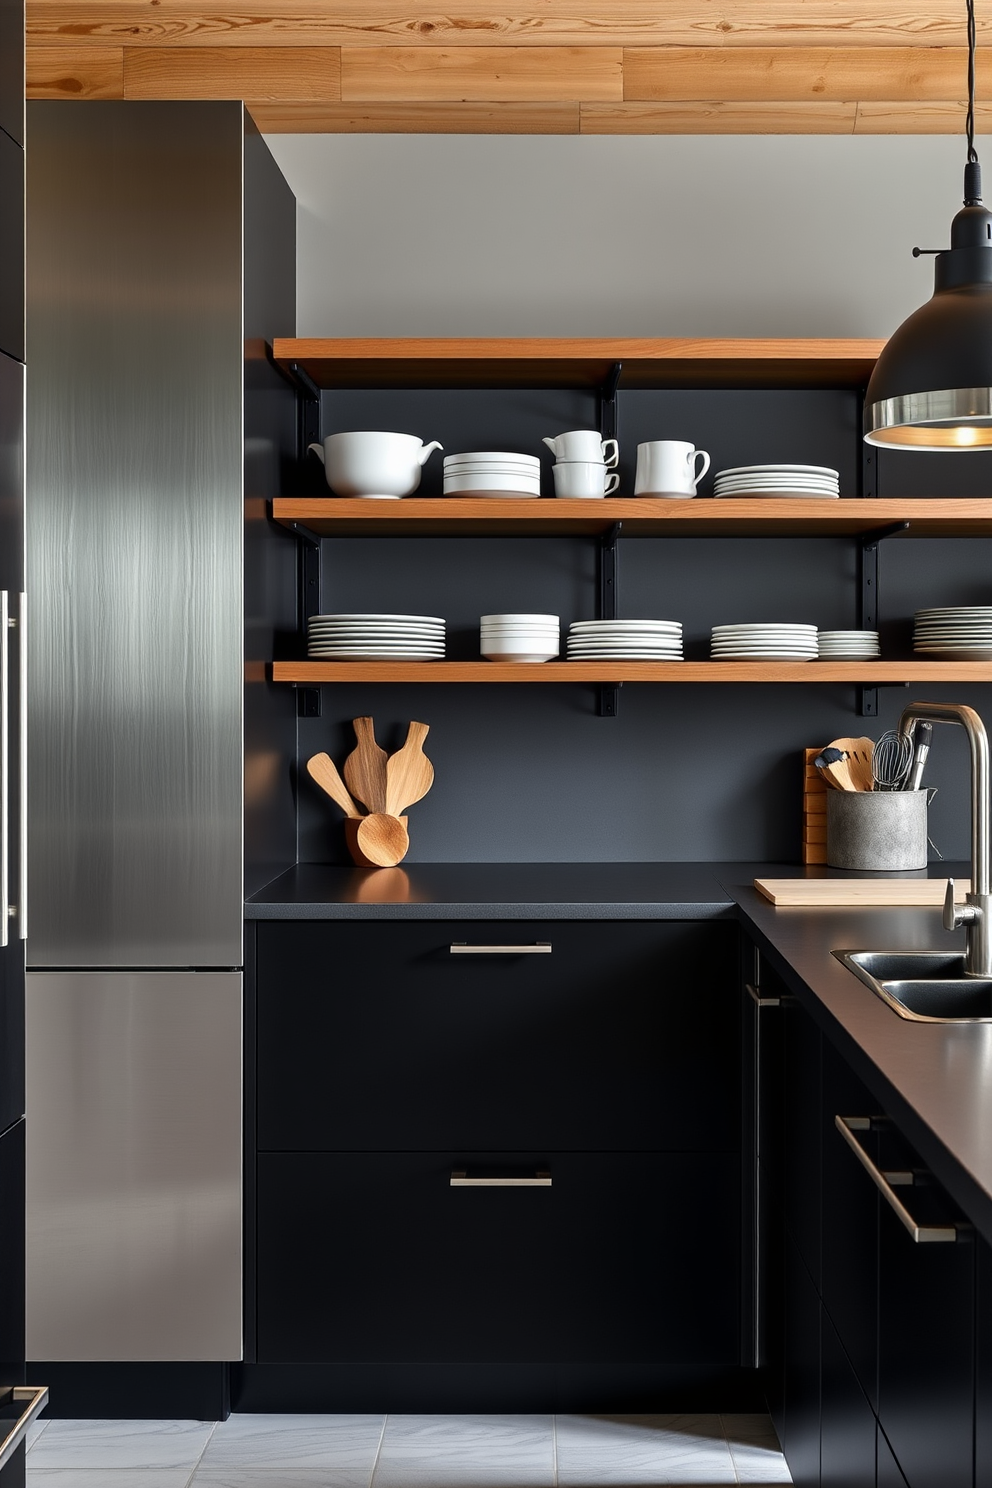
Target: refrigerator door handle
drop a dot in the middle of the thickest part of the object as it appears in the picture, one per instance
(22, 780)
(4, 766)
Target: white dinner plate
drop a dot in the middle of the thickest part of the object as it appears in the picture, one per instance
(493, 457)
(776, 469)
(432, 619)
(498, 495)
(633, 653)
(769, 629)
(969, 653)
(608, 626)
(758, 495)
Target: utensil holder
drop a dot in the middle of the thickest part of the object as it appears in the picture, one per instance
(877, 831)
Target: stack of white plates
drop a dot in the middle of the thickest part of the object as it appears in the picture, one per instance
(848, 645)
(964, 631)
(763, 643)
(611, 640)
(492, 473)
(376, 637)
(519, 637)
(777, 480)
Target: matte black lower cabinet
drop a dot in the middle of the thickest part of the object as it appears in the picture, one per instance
(612, 1065)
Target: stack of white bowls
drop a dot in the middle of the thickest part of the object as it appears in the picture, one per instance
(492, 474)
(777, 480)
(960, 631)
(763, 643)
(848, 645)
(519, 637)
(372, 637)
(640, 640)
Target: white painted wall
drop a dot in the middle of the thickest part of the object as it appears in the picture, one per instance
(463, 235)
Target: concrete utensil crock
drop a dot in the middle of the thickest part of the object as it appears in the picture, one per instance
(877, 831)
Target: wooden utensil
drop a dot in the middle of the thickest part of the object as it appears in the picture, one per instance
(365, 767)
(409, 773)
(838, 893)
(834, 768)
(378, 841)
(323, 770)
(859, 753)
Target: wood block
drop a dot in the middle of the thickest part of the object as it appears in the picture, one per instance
(416, 118)
(233, 72)
(75, 72)
(481, 74)
(718, 118)
(815, 833)
(814, 853)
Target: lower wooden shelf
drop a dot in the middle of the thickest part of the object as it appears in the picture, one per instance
(868, 673)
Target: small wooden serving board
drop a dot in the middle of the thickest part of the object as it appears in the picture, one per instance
(839, 893)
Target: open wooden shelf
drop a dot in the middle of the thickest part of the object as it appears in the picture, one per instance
(867, 673)
(452, 516)
(683, 362)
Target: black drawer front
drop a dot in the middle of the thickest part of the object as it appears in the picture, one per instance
(370, 1257)
(374, 1037)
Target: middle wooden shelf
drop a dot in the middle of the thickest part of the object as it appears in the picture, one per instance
(866, 673)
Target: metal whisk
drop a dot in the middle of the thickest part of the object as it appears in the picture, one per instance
(891, 760)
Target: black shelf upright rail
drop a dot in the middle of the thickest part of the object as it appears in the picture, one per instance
(609, 579)
(308, 587)
(868, 607)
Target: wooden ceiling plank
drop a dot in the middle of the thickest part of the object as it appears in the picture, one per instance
(416, 118)
(718, 118)
(802, 74)
(920, 118)
(75, 72)
(481, 74)
(304, 73)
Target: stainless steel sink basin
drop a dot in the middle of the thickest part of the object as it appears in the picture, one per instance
(925, 986)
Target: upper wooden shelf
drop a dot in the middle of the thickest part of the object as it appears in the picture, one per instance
(550, 362)
(871, 673)
(450, 516)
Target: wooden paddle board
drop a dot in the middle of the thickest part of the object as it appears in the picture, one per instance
(845, 893)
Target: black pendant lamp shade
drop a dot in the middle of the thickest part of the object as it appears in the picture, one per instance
(932, 385)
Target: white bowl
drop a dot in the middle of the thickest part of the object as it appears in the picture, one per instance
(494, 655)
(368, 462)
(525, 485)
(536, 619)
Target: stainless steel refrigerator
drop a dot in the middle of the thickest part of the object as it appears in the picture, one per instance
(142, 254)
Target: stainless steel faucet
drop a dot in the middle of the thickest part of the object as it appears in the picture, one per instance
(976, 912)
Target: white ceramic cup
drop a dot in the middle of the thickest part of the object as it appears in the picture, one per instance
(584, 444)
(667, 467)
(371, 463)
(584, 478)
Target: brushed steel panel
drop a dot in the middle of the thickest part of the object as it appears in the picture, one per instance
(133, 1165)
(134, 499)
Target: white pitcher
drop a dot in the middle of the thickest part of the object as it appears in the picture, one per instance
(584, 444)
(373, 465)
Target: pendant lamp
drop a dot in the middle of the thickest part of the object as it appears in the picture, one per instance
(932, 385)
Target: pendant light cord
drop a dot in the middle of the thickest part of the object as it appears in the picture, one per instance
(972, 152)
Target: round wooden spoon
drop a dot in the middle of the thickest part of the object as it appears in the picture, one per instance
(378, 841)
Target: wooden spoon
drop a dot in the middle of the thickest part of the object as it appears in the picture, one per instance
(409, 773)
(834, 769)
(859, 753)
(365, 767)
(322, 768)
(378, 841)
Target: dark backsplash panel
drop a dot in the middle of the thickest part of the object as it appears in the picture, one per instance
(686, 772)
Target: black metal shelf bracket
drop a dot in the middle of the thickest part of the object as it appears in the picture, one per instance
(609, 586)
(307, 411)
(608, 403)
(868, 606)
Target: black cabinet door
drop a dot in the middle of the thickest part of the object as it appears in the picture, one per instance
(374, 1037)
(11, 245)
(801, 1134)
(887, 1474)
(800, 1434)
(847, 1421)
(983, 1362)
(926, 1325)
(850, 1222)
(12, 71)
(372, 1257)
(12, 1256)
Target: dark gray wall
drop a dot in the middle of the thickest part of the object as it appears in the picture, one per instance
(687, 772)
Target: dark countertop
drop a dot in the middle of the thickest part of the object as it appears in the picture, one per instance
(934, 1080)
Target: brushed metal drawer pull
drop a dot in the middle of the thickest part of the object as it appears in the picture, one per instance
(34, 1399)
(755, 995)
(462, 1179)
(920, 1234)
(536, 948)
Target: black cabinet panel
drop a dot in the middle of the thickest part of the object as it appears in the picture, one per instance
(11, 244)
(369, 1257)
(983, 1363)
(801, 1414)
(847, 1422)
(926, 1326)
(12, 1256)
(850, 1223)
(801, 1133)
(887, 1474)
(373, 1037)
(12, 68)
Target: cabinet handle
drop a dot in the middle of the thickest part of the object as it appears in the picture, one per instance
(537, 948)
(920, 1234)
(538, 1179)
(34, 1399)
(22, 774)
(759, 1001)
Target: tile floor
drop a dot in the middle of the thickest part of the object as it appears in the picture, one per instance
(407, 1452)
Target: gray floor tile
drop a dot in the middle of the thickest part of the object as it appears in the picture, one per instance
(281, 1477)
(750, 1428)
(263, 1443)
(760, 1463)
(34, 1431)
(107, 1477)
(121, 1445)
(466, 1452)
(649, 1450)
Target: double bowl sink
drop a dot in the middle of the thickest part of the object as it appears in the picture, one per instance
(924, 986)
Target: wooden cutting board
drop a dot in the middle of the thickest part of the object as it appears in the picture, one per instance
(839, 893)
